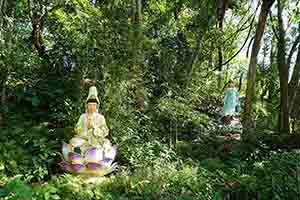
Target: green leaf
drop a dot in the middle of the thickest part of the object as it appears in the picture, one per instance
(217, 196)
(35, 101)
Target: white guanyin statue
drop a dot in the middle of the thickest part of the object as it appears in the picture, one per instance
(89, 152)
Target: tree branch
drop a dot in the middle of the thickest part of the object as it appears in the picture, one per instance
(248, 49)
(249, 33)
(241, 48)
(273, 27)
(29, 8)
(242, 28)
(293, 49)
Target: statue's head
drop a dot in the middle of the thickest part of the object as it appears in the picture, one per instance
(231, 84)
(92, 107)
(92, 101)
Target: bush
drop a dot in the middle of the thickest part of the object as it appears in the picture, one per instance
(175, 115)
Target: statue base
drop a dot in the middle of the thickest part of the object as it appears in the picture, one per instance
(92, 163)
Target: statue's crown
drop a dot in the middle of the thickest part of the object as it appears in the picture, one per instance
(93, 95)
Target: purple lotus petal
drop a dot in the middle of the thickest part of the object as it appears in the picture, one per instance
(94, 155)
(93, 166)
(65, 166)
(92, 151)
(75, 158)
(77, 168)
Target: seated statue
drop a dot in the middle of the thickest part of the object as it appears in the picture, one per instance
(89, 152)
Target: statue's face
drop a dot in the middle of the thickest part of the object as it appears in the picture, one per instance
(91, 107)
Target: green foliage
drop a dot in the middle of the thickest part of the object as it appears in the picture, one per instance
(276, 176)
(31, 150)
(182, 92)
(16, 190)
(178, 115)
(159, 182)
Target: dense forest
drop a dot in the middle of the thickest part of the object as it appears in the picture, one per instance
(161, 68)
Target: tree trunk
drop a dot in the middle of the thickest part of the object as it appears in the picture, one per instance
(271, 86)
(2, 8)
(222, 6)
(248, 122)
(294, 83)
(35, 33)
(283, 74)
(211, 58)
(3, 68)
(294, 48)
(7, 9)
(295, 113)
(37, 20)
(179, 67)
(241, 81)
(138, 59)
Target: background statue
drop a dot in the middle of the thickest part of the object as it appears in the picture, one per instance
(231, 102)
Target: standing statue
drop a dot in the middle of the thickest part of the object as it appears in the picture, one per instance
(231, 101)
(89, 152)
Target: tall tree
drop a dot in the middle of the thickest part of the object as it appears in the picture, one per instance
(251, 79)
(222, 6)
(138, 58)
(38, 13)
(294, 83)
(7, 10)
(283, 72)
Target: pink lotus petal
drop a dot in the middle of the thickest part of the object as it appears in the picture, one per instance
(77, 168)
(94, 155)
(74, 156)
(65, 166)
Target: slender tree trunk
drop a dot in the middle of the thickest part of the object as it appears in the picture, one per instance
(248, 122)
(211, 59)
(35, 33)
(3, 68)
(283, 74)
(271, 86)
(2, 11)
(294, 83)
(138, 59)
(7, 9)
(241, 81)
(222, 6)
(294, 48)
(296, 110)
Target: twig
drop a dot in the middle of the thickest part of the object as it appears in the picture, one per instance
(248, 49)
(242, 28)
(293, 49)
(273, 27)
(249, 33)
(241, 48)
